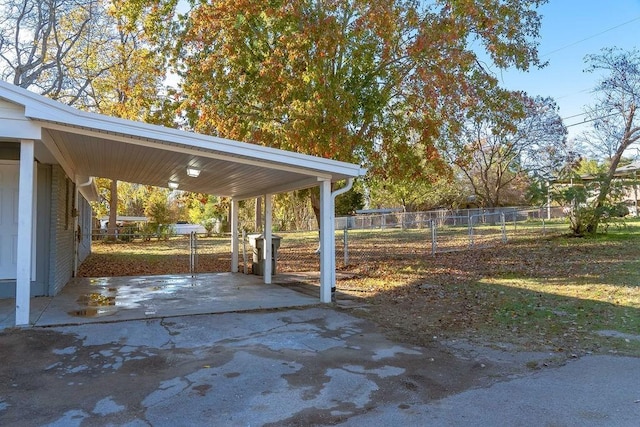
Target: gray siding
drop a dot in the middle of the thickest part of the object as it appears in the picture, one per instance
(61, 231)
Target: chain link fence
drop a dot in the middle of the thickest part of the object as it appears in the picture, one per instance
(366, 239)
(416, 235)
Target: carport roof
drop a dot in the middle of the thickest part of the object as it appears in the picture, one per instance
(89, 144)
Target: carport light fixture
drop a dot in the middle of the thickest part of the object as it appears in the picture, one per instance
(173, 185)
(193, 172)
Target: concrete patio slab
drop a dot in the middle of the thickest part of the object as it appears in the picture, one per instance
(110, 299)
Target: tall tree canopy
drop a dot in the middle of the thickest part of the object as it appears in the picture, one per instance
(368, 82)
(131, 84)
(374, 83)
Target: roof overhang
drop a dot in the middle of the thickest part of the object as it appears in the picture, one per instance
(88, 144)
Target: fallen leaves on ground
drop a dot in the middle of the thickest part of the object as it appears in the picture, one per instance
(548, 294)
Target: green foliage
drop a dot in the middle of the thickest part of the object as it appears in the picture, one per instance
(208, 214)
(157, 207)
(292, 210)
(585, 209)
(154, 229)
(349, 202)
(590, 167)
(414, 193)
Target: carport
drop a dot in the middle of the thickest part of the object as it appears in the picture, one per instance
(87, 145)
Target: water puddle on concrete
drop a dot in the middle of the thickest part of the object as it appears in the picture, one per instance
(96, 304)
(107, 299)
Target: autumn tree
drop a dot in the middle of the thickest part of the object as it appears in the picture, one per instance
(614, 117)
(346, 79)
(158, 210)
(132, 71)
(497, 149)
(206, 210)
(131, 85)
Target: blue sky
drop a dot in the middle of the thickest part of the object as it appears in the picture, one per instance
(570, 30)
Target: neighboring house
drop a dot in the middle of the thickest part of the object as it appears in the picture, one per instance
(629, 176)
(625, 176)
(49, 153)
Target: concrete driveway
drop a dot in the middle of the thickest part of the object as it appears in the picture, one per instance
(306, 366)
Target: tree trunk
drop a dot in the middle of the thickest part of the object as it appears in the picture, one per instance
(628, 138)
(315, 204)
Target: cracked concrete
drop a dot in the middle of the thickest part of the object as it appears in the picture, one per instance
(313, 366)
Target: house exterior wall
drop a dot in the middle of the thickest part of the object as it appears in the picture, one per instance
(85, 215)
(62, 232)
(55, 232)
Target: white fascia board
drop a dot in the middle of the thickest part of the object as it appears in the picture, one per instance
(16, 129)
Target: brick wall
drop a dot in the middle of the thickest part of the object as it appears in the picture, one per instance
(61, 231)
(84, 221)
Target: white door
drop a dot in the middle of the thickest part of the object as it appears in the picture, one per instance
(9, 173)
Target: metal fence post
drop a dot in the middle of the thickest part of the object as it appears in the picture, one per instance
(504, 227)
(471, 231)
(193, 256)
(434, 237)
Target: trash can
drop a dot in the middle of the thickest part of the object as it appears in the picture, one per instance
(257, 244)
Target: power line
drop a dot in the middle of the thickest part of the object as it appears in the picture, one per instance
(575, 115)
(587, 121)
(590, 37)
(574, 93)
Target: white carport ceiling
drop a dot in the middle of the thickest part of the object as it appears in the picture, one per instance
(156, 163)
(88, 144)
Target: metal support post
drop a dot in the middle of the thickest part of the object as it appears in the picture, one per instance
(434, 237)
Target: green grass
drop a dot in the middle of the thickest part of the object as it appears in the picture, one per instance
(593, 286)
